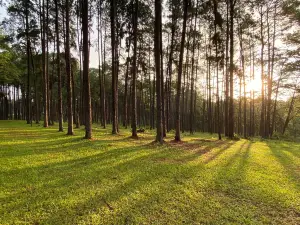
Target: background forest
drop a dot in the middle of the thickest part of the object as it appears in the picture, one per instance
(189, 109)
(228, 67)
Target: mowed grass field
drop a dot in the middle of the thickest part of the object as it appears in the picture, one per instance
(47, 177)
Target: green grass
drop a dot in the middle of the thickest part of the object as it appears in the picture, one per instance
(47, 177)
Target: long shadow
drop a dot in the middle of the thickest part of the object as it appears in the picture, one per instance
(95, 170)
(232, 171)
(99, 183)
(152, 185)
(59, 144)
(231, 181)
(219, 152)
(287, 161)
(200, 148)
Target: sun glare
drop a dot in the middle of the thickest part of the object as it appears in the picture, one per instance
(254, 85)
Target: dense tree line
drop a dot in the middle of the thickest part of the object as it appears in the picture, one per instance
(229, 67)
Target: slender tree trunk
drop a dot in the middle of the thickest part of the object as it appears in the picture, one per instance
(170, 63)
(125, 119)
(244, 85)
(275, 105)
(104, 102)
(68, 71)
(157, 55)
(79, 101)
(217, 95)
(177, 124)
(192, 78)
(45, 70)
(134, 71)
(114, 68)
(162, 87)
(269, 82)
(231, 103)
(226, 106)
(272, 71)
(86, 77)
(46, 37)
(99, 59)
(262, 115)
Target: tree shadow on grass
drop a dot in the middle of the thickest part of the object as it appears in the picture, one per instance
(290, 164)
(60, 144)
(110, 168)
(233, 170)
(208, 150)
(231, 183)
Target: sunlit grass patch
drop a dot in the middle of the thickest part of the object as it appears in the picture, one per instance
(48, 177)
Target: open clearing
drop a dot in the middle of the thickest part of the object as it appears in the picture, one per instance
(47, 177)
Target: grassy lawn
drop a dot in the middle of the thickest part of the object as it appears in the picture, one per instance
(47, 177)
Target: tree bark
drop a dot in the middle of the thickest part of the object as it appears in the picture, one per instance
(134, 71)
(177, 123)
(59, 94)
(114, 68)
(231, 103)
(262, 114)
(157, 55)
(86, 77)
(68, 71)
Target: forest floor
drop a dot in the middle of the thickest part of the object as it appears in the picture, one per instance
(47, 177)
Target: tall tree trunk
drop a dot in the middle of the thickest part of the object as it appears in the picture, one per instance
(157, 55)
(177, 124)
(79, 101)
(170, 63)
(114, 68)
(226, 105)
(244, 84)
(59, 91)
(45, 70)
(134, 71)
(275, 105)
(269, 81)
(192, 78)
(99, 58)
(217, 95)
(262, 114)
(231, 103)
(68, 71)
(46, 37)
(104, 102)
(86, 77)
(125, 119)
(162, 86)
(272, 71)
